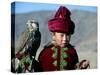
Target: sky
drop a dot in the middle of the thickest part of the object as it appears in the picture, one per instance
(25, 7)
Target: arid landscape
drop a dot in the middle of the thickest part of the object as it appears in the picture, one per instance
(84, 39)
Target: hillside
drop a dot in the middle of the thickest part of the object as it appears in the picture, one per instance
(85, 26)
(84, 38)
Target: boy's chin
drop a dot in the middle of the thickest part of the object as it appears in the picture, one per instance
(62, 45)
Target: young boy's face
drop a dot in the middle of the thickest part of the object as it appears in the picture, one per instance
(61, 39)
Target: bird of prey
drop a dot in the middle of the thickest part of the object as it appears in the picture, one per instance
(26, 48)
(29, 39)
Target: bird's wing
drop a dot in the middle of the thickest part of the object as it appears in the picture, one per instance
(22, 40)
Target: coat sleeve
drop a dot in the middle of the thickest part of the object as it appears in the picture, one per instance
(73, 57)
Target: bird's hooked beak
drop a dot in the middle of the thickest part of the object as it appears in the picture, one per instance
(32, 25)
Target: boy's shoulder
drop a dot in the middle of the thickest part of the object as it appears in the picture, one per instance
(48, 45)
(46, 50)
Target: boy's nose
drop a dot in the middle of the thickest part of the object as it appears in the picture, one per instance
(64, 37)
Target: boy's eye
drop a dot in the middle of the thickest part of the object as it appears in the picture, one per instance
(62, 34)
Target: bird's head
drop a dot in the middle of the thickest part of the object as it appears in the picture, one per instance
(32, 25)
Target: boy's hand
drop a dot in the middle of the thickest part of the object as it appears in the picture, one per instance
(84, 64)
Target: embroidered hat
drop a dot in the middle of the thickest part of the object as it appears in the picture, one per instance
(61, 21)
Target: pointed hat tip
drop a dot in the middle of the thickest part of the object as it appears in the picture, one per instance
(63, 12)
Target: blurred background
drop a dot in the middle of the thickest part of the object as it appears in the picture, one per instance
(85, 17)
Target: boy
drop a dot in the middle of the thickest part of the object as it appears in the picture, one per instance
(60, 54)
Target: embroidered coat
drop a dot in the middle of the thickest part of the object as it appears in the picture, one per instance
(55, 58)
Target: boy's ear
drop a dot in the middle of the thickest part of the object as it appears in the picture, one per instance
(53, 37)
(52, 33)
